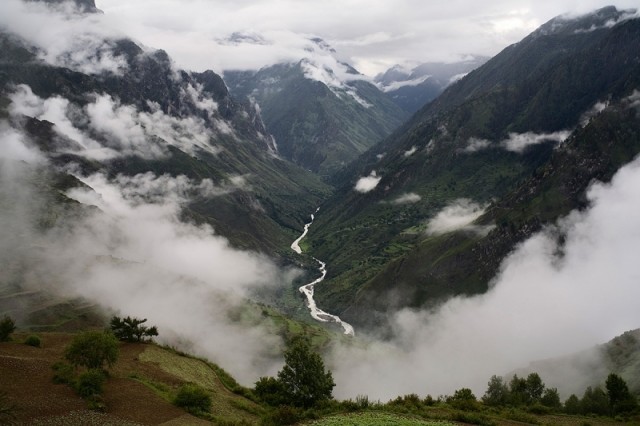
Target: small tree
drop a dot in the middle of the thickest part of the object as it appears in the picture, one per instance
(303, 376)
(534, 387)
(93, 349)
(131, 329)
(497, 393)
(572, 405)
(551, 398)
(594, 401)
(518, 394)
(620, 399)
(7, 326)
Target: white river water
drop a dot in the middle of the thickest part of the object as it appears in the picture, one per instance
(307, 289)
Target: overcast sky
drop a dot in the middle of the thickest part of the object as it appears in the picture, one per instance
(372, 34)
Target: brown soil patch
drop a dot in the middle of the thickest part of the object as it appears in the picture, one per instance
(26, 376)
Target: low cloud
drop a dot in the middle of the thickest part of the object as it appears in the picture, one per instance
(518, 142)
(410, 152)
(458, 215)
(367, 183)
(105, 128)
(408, 198)
(129, 251)
(476, 144)
(66, 37)
(542, 304)
(594, 111)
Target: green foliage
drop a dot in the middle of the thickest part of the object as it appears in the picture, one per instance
(132, 329)
(63, 373)
(594, 401)
(193, 399)
(7, 326)
(90, 383)
(497, 393)
(303, 376)
(283, 415)
(464, 399)
(534, 387)
(572, 405)
(551, 399)
(271, 391)
(472, 418)
(93, 350)
(32, 340)
(620, 399)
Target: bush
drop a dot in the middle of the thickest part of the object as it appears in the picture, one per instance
(193, 399)
(63, 373)
(472, 418)
(93, 349)
(283, 415)
(7, 326)
(32, 341)
(90, 383)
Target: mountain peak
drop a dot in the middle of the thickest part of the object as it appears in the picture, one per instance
(605, 17)
(84, 6)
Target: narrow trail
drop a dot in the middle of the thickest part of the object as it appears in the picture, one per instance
(307, 289)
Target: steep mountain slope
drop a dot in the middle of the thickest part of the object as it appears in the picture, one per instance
(412, 89)
(487, 135)
(322, 113)
(179, 123)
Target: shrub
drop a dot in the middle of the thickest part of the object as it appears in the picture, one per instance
(7, 326)
(283, 415)
(63, 373)
(32, 341)
(90, 383)
(472, 418)
(193, 399)
(93, 349)
(271, 391)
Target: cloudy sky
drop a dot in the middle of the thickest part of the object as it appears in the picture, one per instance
(372, 34)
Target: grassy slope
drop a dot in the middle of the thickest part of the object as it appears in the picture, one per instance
(138, 391)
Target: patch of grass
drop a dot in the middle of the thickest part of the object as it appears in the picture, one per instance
(371, 418)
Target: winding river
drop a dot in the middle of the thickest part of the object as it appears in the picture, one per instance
(307, 289)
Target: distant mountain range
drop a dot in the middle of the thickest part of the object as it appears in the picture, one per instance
(322, 113)
(412, 88)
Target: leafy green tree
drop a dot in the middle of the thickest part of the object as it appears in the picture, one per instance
(551, 398)
(594, 401)
(497, 393)
(518, 394)
(572, 405)
(93, 349)
(131, 329)
(620, 399)
(7, 326)
(534, 388)
(303, 376)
